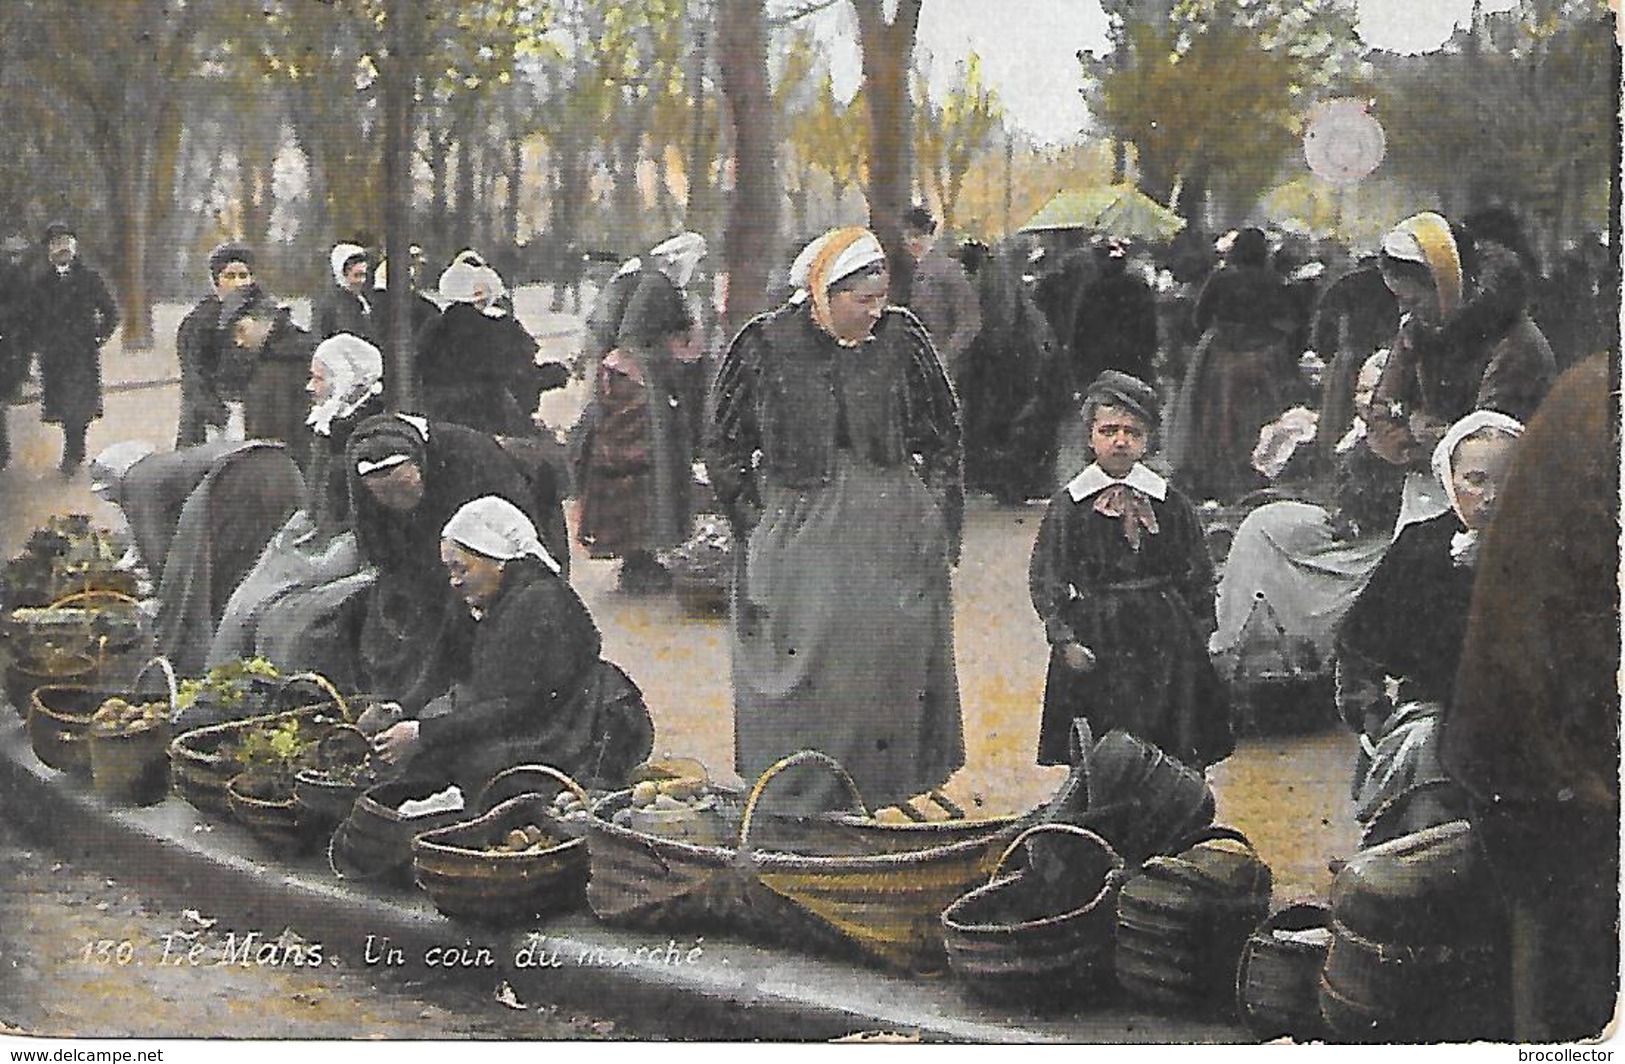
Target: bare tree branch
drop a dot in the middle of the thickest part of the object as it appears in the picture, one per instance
(796, 14)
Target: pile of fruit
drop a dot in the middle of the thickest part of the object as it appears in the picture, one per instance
(528, 839)
(567, 805)
(118, 717)
(666, 802)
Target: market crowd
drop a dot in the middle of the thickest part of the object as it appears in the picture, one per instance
(1268, 464)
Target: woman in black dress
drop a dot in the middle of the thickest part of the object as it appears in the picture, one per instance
(537, 690)
(1408, 625)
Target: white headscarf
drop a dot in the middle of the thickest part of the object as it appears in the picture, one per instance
(343, 253)
(498, 529)
(457, 284)
(679, 257)
(1464, 545)
(355, 371)
(825, 262)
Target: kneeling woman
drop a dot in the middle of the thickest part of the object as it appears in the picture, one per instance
(538, 690)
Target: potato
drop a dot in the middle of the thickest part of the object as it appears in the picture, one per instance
(666, 801)
(891, 815)
(645, 793)
(533, 834)
(515, 840)
(682, 788)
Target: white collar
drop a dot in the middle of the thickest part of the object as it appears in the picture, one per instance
(1094, 480)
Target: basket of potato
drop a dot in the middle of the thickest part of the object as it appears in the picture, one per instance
(129, 743)
(525, 857)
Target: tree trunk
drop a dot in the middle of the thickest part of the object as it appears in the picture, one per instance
(439, 182)
(753, 217)
(888, 55)
(463, 197)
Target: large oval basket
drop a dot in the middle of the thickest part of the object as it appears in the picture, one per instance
(467, 877)
(23, 677)
(1042, 932)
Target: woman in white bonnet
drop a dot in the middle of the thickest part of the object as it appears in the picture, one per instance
(833, 444)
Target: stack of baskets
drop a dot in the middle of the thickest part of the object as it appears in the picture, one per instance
(1043, 933)
(470, 875)
(1132, 794)
(1277, 985)
(1182, 921)
(1419, 941)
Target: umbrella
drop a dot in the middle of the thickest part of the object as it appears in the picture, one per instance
(1114, 210)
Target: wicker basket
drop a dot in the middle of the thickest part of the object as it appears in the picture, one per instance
(467, 879)
(59, 723)
(203, 761)
(1023, 937)
(844, 896)
(24, 676)
(327, 790)
(1277, 982)
(131, 767)
(265, 805)
(375, 841)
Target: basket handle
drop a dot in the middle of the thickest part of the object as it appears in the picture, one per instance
(525, 770)
(1052, 829)
(321, 682)
(94, 595)
(169, 680)
(1212, 833)
(801, 757)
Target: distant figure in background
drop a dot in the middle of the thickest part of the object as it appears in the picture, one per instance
(635, 473)
(1465, 343)
(1116, 322)
(421, 310)
(1012, 390)
(477, 363)
(1354, 317)
(198, 345)
(72, 316)
(942, 296)
(1240, 375)
(14, 356)
(346, 308)
(264, 366)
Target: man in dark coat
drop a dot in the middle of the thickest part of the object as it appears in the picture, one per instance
(14, 308)
(198, 344)
(73, 316)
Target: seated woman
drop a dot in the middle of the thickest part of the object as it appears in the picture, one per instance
(1121, 579)
(1407, 627)
(296, 608)
(1295, 568)
(537, 690)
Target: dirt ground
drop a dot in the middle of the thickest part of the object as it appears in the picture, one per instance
(1290, 795)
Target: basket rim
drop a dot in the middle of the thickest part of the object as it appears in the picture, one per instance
(431, 840)
(1043, 923)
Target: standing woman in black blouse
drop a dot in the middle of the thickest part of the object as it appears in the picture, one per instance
(833, 444)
